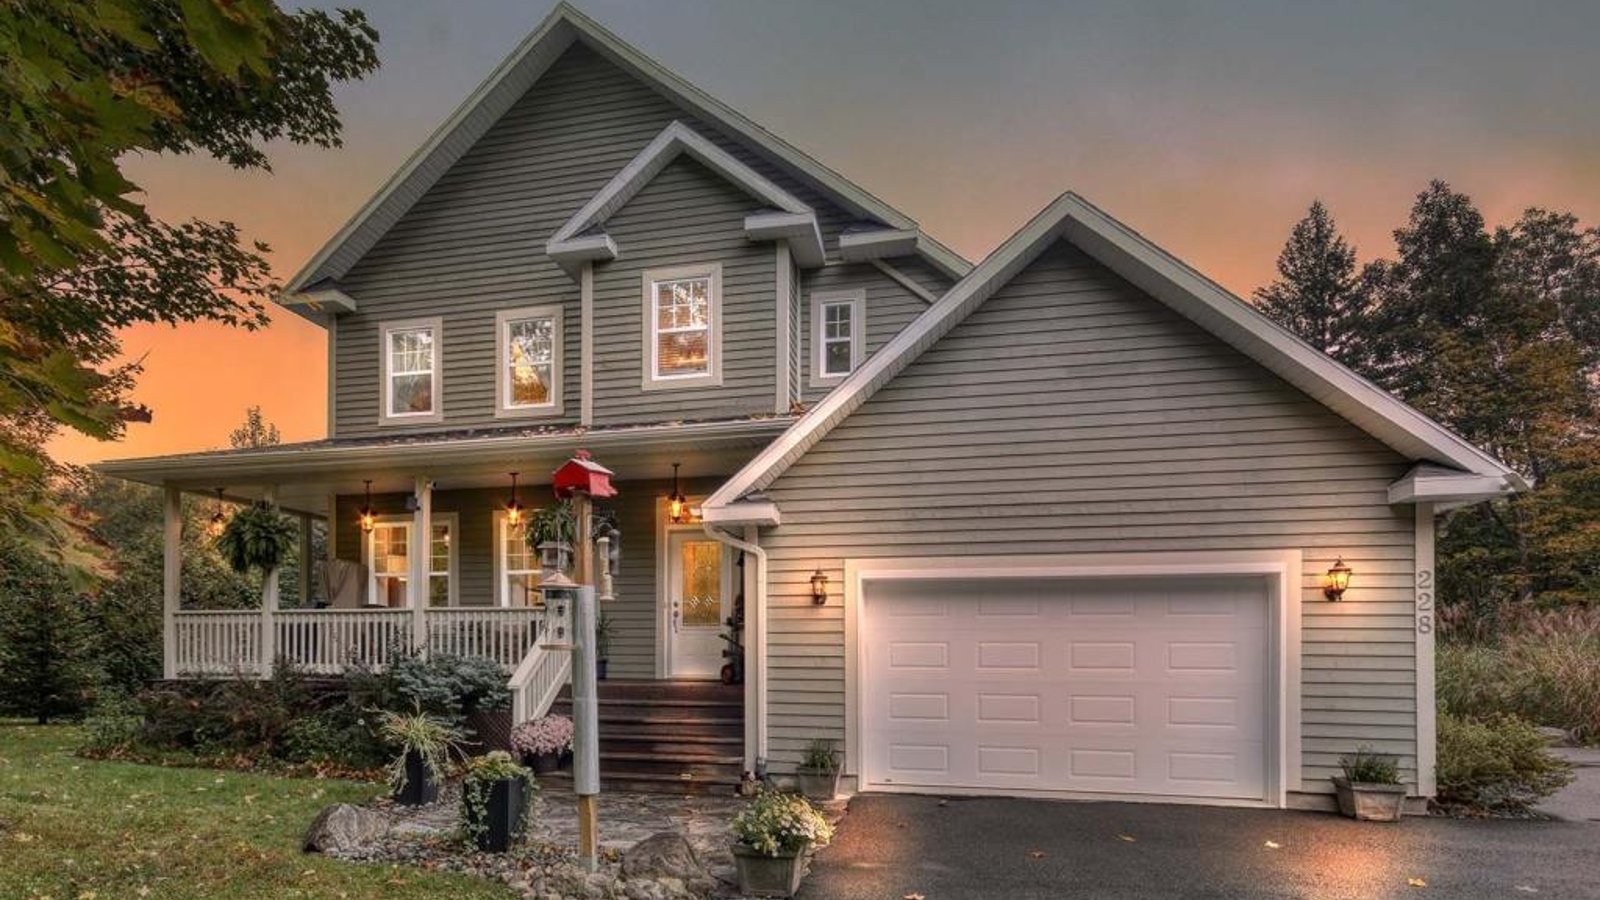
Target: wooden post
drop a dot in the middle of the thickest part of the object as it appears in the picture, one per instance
(585, 708)
(171, 579)
(269, 601)
(421, 551)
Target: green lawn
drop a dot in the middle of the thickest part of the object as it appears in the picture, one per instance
(76, 829)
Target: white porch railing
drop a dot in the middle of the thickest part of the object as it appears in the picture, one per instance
(543, 670)
(218, 643)
(328, 641)
(503, 634)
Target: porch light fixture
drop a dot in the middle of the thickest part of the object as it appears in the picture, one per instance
(369, 518)
(218, 520)
(1338, 580)
(819, 588)
(677, 503)
(513, 508)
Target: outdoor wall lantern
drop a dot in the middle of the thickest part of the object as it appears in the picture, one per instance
(1338, 580)
(677, 503)
(219, 521)
(819, 587)
(513, 508)
(369, 518)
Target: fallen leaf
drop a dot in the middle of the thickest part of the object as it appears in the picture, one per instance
(1127, 837)
(1527, 889)
(1416, 882)
(1036, 854)
(1273, 845)
(913, 897)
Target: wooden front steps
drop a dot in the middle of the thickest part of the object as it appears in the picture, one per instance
(673, 737)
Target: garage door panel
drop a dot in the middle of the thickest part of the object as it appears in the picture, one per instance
(1155, 687)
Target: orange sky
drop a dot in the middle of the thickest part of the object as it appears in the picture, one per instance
(1210, 133)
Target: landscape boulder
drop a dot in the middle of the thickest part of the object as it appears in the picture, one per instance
(341, 828)
(666, 856)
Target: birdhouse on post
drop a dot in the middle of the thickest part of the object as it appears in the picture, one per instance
(582, 475)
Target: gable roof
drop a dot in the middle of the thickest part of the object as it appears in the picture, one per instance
(572, 244)
(512, 79)
(1157, 273)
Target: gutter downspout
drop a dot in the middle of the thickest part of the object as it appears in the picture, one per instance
(755, 628)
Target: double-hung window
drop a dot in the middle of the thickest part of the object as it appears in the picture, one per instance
(388, 558)
(528, 382)
(517, 563)
(682, 327)
(411, 372)
(836, 335)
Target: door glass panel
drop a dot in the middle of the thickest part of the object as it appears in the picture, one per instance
(702, 582)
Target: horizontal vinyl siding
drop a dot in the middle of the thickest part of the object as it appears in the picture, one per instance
(1071, 414)
(474, 243)
(889, 307)
(686, 216)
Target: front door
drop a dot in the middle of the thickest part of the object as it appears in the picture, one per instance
(698, 587)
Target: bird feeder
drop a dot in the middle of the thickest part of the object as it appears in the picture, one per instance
(582, 475)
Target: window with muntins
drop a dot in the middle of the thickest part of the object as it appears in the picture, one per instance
(411, 371)
(682, 345)
(519, 566)
(836, 335)
(389, 564)
(530, 361)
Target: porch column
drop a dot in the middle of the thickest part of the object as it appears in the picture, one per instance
(305, 561)
(420, 550)
(171, 578)
(269, 601)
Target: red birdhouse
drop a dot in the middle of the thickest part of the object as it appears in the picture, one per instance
(582, 475)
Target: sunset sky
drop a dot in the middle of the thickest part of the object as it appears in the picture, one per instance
(1208, 130)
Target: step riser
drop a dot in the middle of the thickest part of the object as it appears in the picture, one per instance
(670, 747)
(654, 732)
(623, 784)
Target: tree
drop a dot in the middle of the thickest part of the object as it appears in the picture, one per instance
(87, 85)
(1317, 294)
(255, 432)
(47, 666)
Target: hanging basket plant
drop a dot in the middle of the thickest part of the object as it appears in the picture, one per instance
(257, 537)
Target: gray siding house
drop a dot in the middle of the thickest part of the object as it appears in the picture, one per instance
(1060, 524)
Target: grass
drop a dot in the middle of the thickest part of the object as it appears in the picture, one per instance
(75, 829)
(1549, 677)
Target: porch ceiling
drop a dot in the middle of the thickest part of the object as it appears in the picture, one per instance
(307, 475)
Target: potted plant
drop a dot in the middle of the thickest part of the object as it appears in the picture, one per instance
(495, 798)
(257, 537)
(602, 645)
(425, 744)
(552, 532)
(542, 741)
(819, 771)
(776, 836)
(1369, 788)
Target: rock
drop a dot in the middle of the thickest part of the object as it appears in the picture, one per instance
(1556, 737)
(342, 828)
(664, 855)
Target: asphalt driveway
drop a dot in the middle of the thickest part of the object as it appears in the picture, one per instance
(893, 847)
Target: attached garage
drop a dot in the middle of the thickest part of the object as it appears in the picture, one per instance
(1071, 682)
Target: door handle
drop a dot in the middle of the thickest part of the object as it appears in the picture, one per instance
(677, 615)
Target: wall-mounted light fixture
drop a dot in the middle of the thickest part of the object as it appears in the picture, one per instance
(1338, 580)
(819, 587)
(677, 503)
(369, 518)
(513, 508)
(219, 521)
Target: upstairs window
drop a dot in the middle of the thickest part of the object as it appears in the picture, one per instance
(683, 320)
(837, 322)
(529, 379)
(411, 372)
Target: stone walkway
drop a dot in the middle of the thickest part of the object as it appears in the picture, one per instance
(1580, 800)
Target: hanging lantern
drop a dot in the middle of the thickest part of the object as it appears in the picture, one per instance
(369, 518)
(677, 503)
(219, 521)
(513, 508)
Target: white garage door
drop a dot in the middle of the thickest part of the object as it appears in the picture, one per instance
(1155, 686)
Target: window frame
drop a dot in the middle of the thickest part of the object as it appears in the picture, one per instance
(386, 415)
(650, 344)
(820, 300)
(502, 573)
(452, 575)
(503, 321)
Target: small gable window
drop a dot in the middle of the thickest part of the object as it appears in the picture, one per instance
(411, 372)
(836, 335)
(683, 320)
(529, 378)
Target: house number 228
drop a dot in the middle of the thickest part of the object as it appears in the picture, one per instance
(1424, 601)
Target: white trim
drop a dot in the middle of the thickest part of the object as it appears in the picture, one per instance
(1280, 568)
(574, 253)
(878, 243)
(1427, 622)
(712, 377)
(408, 521)
(501, 574)
(857, 301)
(783, 330)
(1148, 267)
(905, 281)
(333, 377)
(512, 79)
(762, 513)
(327, 299)
(502, 380)
(433, 416)
(1432, 484)
(586, 345)
(799, 231)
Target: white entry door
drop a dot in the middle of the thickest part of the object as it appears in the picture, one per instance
(1117, 686)
(699, 585)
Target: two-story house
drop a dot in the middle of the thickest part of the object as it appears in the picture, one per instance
(1059, 524)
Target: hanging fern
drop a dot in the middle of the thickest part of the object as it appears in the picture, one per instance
(257, 537)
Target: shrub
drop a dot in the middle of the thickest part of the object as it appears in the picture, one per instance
(546, 734)
(1367, 767)
(340, 735)
(1546, 673)
(114, 726)
(47, 665)
(821, 756)
(440, 684)
(1496, 765)
(434, 740)
(781, 824)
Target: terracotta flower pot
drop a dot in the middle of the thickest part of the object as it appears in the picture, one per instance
(1370, 802)
(761, 875)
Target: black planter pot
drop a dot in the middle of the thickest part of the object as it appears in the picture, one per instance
(544, 763)
(420, 788)
(504, 820)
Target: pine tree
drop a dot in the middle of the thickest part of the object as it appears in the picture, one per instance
(1318, 294)
(255, 432)
(47, 665)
